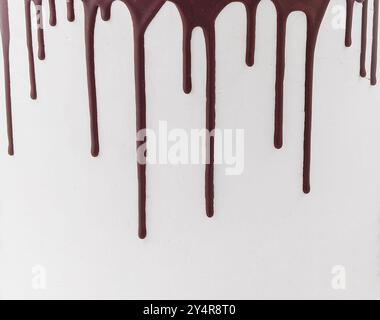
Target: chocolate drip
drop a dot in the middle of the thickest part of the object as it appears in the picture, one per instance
(364, 23)
(142, 12)
(210, 119)
(349, 16)
(40, 34)
(280, 76)
(53, 13)
(363, 50)
(314, 11)
(29, 40)
(5, 39)
(201, 13)
(140, 125)
(70, 10)
(375, 32)
(90, 19)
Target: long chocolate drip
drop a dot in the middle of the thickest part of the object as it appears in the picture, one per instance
(280, 76)
(349, 16)
(29, 40)
(374, 41)
(200, 13)
(142, 13)
(251, 9)
(363, 51)
(90, 19)
(312, 34)
(53, 13)
(70, 10)
(5, 39)
(209, 34)
(187, 33)
(315, 11)
(140, 125)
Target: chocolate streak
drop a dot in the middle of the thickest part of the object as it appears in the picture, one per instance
(314, 11)
(5, 39)
(200, 13)
(142, 12)
(29, 40)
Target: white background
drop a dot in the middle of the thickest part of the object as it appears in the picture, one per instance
(76, 216)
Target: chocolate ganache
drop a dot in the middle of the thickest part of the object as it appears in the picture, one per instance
(194, 13)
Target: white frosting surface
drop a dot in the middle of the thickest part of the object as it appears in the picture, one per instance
(76, 216)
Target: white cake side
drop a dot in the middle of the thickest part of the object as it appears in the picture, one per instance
(75, 216)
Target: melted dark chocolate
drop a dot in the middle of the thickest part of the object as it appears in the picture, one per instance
(375, 31)
(29, 40)
(314, 11)
(363, 51)
(142, 12)
(5, 39)
(202, 13)
(194, 13)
